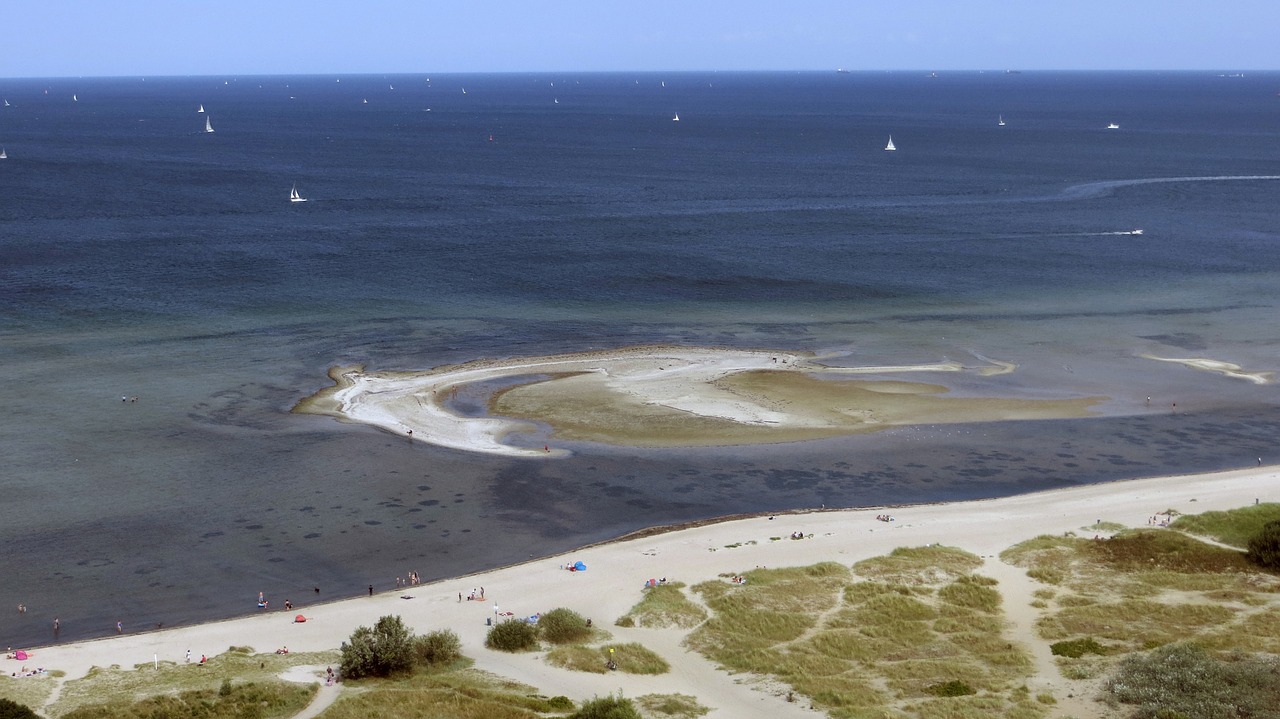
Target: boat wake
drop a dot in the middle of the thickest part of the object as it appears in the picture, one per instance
(1099, 189)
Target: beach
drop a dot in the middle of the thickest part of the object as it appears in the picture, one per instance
(617, 571)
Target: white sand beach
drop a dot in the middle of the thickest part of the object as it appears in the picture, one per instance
(616, 573)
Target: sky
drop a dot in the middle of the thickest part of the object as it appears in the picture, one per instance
(60, 38)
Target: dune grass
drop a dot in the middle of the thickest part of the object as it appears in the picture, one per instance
(232, 700)
(455, 691)
(123, 687)
(630, 658)
(1148, 588)
(676, 706)
(28, 691)
(880, 637)
(1233, 527)
(664, 605)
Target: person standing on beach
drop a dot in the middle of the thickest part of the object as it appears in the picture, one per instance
(188, 656)
(371, 590)
(119, 628)
(57, 625)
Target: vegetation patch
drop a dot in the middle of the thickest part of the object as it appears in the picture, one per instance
(512, 635)
(919, 565)
(1184, 680)
(455, 691)
(608, 707)
(664, 605)
(1148, 549)
(563, 626)
(953, 688)
(1076, 648)
(883, 638)
(124, 687)
(10, 709)
(676, 706)
(1233, 527)
(630, 658)
(250, 700)
(27, 691)
(389, 648)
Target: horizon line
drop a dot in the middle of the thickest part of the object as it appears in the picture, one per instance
(841, 70)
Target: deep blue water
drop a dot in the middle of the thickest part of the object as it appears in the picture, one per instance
(535, 214)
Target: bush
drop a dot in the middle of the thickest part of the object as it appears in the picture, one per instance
(609, 707)
(1077, 648)
(512, 635)
(438, 647)
(10, 709)
(382, 651)
(563, 626)
(953, 688)
(1264, 547)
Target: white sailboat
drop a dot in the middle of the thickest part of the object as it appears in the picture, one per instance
(676, 118)
(3, 155)
(75, 99)
(208, 126)
(294, 196)
(1112, 126)
(201, 108)
(890, 147)
(6, 103)
(1001, 121)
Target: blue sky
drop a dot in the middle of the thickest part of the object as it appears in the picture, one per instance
(49, 38)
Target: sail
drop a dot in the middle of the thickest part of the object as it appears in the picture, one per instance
(890, 147)
(208, 125)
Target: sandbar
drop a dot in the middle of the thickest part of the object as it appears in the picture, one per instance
(658, 396)
(1226, 369)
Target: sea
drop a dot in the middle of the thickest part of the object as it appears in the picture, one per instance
(452, 218)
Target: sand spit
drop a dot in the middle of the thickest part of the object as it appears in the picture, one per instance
(1226, 369)
(661, 396)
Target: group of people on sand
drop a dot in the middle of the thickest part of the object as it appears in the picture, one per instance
(476, 595)
(413, 580)
(884, 517)
(797, 535)
(738, 579)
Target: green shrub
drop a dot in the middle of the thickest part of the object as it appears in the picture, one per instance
(438, 647)
(609, 707)
(560, 703)
(953, 688)
(1264, 547)
(512, 635)
(1077, 648)
(563, 626)
(10, 709)
(382, 651)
